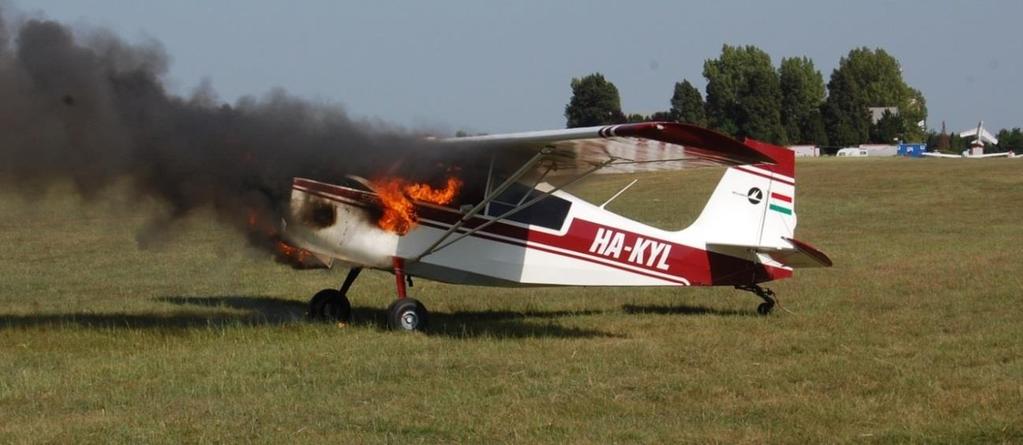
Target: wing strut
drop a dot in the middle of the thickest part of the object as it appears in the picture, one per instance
(522, 171)
(436, 246)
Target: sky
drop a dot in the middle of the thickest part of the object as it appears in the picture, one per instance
(502, 66)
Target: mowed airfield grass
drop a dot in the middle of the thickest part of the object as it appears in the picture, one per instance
(916, 334)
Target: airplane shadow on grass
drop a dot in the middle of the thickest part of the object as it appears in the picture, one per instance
(254, 310)
(247, 310)
(686, 310)
(270, 311)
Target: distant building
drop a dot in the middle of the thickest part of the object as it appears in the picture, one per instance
(805, 150)
(873, 150)
(876, 113)
(880, 149)
(852, 152)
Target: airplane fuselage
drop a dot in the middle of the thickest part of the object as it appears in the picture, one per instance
(589, 246)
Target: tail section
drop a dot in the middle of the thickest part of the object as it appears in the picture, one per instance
(753, 205)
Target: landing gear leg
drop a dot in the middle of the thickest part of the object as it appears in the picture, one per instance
(766, 294)
(405, 314)
(353, 273)
(333, 304)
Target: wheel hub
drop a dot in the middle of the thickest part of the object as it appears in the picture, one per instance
(409, 320)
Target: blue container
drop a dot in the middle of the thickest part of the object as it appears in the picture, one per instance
(912, 150)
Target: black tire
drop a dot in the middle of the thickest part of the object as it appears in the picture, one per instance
(765, 308)
(330, 305)
(407, 314)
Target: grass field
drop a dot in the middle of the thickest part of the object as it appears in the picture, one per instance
(916, 334)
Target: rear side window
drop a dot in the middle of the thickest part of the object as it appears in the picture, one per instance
(549, 212)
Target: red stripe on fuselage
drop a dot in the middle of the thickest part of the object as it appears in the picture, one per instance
(781, 197)
(548, 249)
(697, 266)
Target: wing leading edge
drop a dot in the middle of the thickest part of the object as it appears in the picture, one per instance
(622, 147)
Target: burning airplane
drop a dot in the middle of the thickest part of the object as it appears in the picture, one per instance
(521, 229)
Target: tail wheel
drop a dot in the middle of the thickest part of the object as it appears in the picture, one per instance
(407, 314)
(765, 294)
(330, 305)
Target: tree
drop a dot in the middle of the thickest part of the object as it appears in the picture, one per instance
(1010, 140)
(687, 105)
(636, 117)
(870, 78)
(845, 111)
(932, 140)
(956, 144)
(944, 141)
(595, 101)
(939, 142)
(743, 94)
(802, 94)
(887, 129)
(661, 116)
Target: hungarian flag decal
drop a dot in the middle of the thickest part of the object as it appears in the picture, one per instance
(781, 203)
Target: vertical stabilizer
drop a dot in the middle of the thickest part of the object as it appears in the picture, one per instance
(753, 205)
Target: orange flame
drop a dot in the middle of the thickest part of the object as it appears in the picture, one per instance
(293, 254)
(396, 196)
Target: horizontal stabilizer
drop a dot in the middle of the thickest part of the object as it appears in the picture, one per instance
(986, 136)
(798, 255)
(981, 133)
(801, 255)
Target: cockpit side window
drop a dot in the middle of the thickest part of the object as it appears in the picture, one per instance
(549, 212)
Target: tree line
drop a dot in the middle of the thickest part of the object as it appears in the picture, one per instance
(866, 100)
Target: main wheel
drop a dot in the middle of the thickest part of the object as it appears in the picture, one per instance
(765, 308)
(330, 305)
(407, 314)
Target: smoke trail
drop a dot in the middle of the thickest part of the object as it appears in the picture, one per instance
(94, 110)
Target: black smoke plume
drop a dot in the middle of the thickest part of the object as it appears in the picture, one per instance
(88, 107)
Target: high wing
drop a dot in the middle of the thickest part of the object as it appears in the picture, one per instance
(990, 155)
(933, 154)
(620, 148)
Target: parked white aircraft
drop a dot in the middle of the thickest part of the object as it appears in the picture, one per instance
(981, 135)
(976, 150)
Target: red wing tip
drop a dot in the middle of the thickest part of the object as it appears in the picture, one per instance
(782, 160)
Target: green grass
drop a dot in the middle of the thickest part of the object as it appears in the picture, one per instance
(914, 335)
